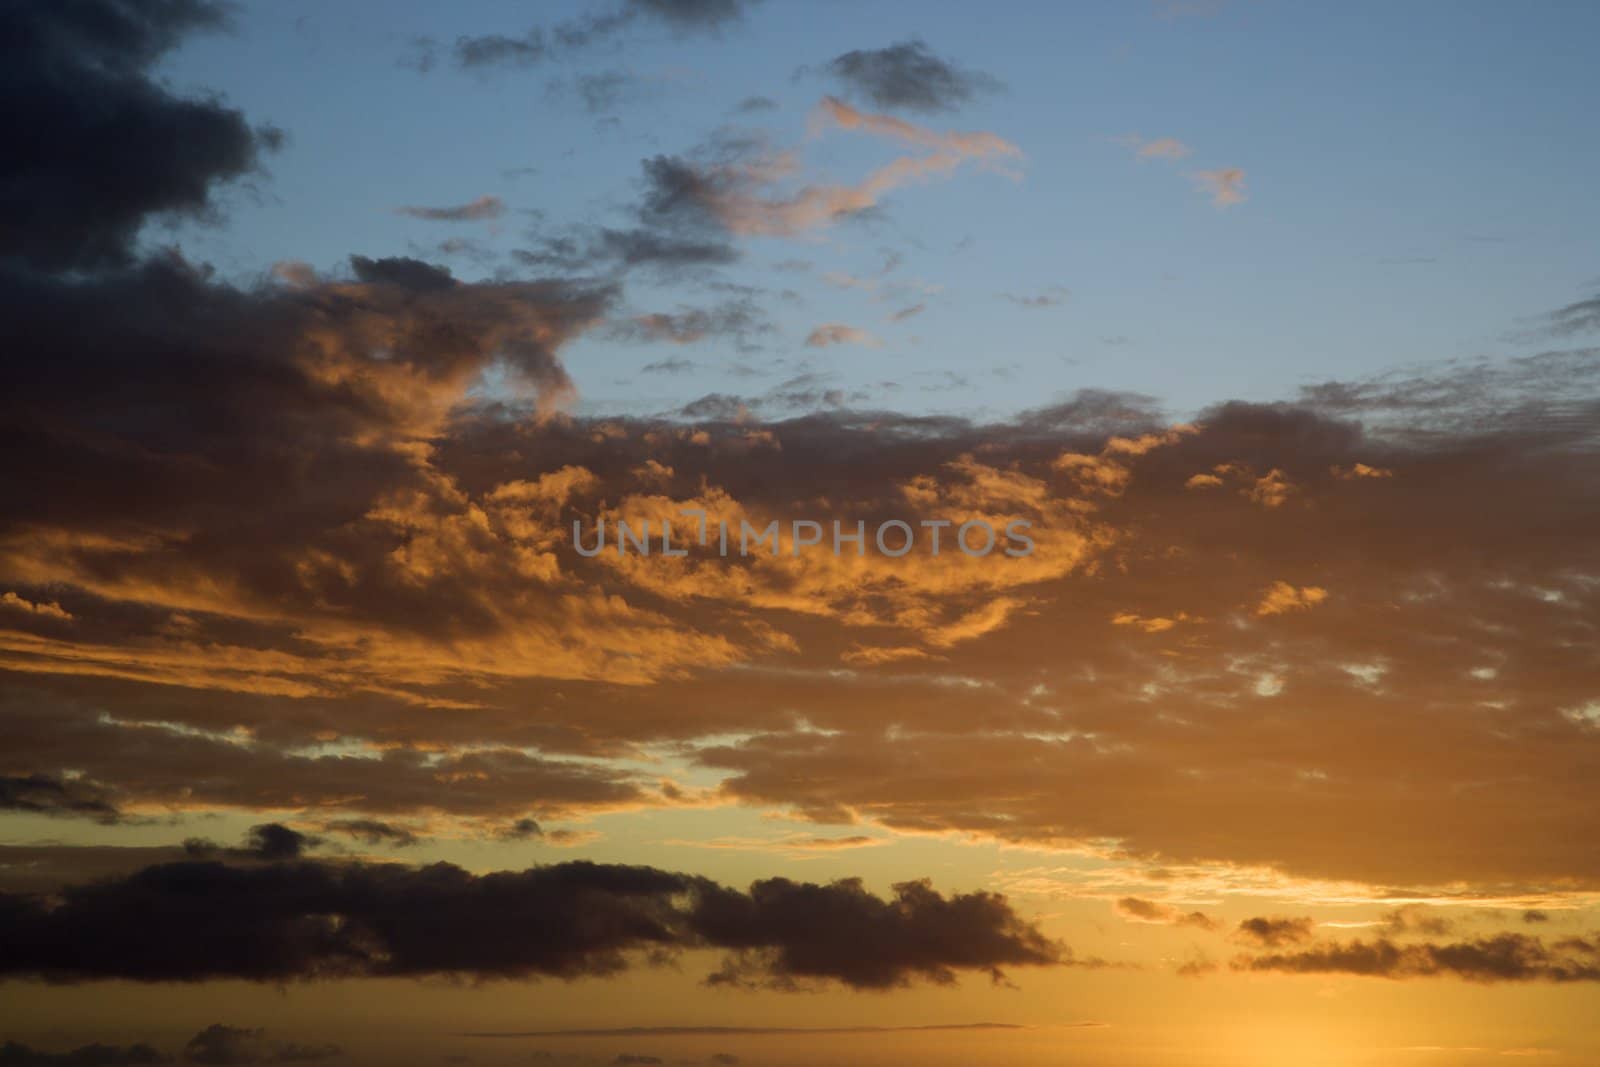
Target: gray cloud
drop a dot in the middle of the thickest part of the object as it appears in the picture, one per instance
(908, 76)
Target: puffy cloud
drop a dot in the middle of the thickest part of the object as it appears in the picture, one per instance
(304, 920)
(107, 145)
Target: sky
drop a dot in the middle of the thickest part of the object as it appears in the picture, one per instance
(1179, 642)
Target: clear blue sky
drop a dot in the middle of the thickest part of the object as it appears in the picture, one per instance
(1419, 178)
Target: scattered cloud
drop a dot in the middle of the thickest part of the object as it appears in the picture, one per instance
(484, 207)
(908, 76)
(1225, 185)
(837, 333)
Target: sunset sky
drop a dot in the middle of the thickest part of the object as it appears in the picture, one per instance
(1273, 324)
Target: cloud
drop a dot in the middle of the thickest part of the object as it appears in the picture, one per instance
(269, 842)
(747, 188)
(374, 832)
(14, 1054)
(302, 920)
(108, 146)
(484, 207)
(1149, 911)
(402, 271)
(1502, 958)
(1580, 317)
(837, 333)
(46, 609)
(1281, 597)
(907, 312)
(1275, 932)
(734, 1031)
(908, 76)
(311, 513)
(43, 794)
(1160, 148)
(219, 1045)
(740, 319)
(1054, 296)
(540, 44)
(1225, 185)
(668, 366)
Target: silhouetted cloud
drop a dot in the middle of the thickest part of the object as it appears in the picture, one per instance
(98, 146)
(1503, 958)
(374, 832)
(44, 794)
(219, 1045)
(299, 919)
(14, 1054)
(1273, 932)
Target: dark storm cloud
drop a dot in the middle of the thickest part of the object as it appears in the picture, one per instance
(301, 920)
(908, 76)
(97, 145)
(1503, 958)
(44, 794)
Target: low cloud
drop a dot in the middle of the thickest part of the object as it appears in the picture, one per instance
(1503, 958)
(299, 920)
